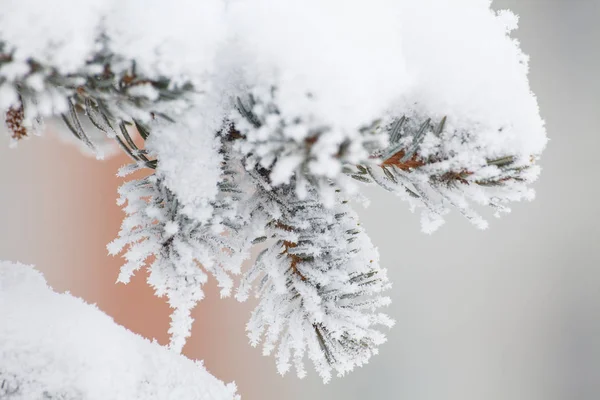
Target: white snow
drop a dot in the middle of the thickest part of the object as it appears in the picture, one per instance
(347, 56)
(56, 346)
(61, 33)
(189, 161)
(175, 38)
(465, 65)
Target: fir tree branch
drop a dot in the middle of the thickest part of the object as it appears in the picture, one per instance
(321, 286)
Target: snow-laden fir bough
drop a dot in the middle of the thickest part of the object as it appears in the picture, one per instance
(254, 128)
(321, 283)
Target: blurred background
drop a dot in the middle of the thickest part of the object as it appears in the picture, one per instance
(508, 313)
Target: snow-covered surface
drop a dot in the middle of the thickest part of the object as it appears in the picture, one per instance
(57, 346)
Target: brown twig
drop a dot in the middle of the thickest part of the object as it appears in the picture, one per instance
(295, 259)
(396, 160)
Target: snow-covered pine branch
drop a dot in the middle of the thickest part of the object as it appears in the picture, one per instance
(55, 346)
(258, 115)
(451, 101)
(185, 241)
(320, 283)
(426, 163)
(109, 90)
(297, 146)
